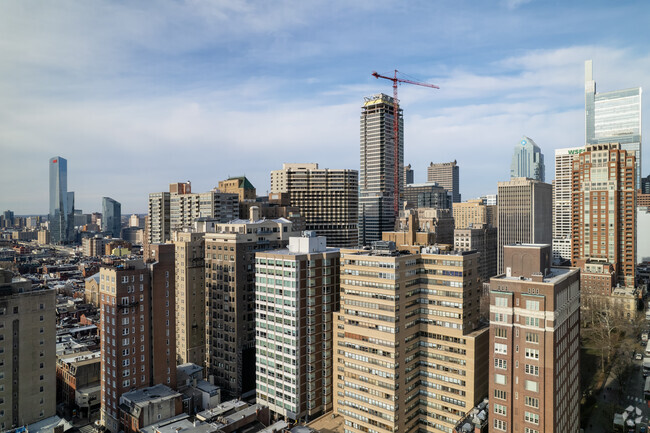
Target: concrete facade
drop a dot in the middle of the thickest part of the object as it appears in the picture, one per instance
(27, 352)
(410, 353)
(447, 175)
(190, 297)
(525, 214)
(230, 297)
(297, 291)
(327, 199)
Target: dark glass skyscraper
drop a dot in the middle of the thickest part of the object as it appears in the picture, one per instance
(61, 203)
(111, 216)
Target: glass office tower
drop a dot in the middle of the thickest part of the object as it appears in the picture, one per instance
(613, 117)
(61, 203)
(528, 161)
(111, 216)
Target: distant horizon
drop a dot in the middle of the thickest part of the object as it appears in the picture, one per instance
(205, 91)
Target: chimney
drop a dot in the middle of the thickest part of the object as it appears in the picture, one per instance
(254, 213)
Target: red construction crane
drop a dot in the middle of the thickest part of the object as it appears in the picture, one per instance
(396, 80)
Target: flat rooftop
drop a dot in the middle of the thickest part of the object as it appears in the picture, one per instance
(328, 423)
(554, 276)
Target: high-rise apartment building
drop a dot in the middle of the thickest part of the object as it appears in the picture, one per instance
(297, 291)
(179, 208)
(430, 195)
(534, 344)
(190, 297)
(528, 161)
(474, 212)
(185, 209)
(410, 354)
(481, 238)
(240, 186)
(28, 352)
(603, 212)
(230, 296)
(61, 203)
(525, 214)
(328, 200)
(111, 217)
(614, 117)
(436, 222)
(138, 343)
(157, 223)
(562, 189)
(447, 175)
(377, 187)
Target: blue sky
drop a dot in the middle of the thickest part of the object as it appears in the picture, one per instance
(137, 95)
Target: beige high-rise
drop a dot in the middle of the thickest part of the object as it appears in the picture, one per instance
(447, 175)
(525, 214)
(562, 189)
(328, 199)
(474, 212)
(28, 352)
(410, 353)
(230, 297)
(190, 297)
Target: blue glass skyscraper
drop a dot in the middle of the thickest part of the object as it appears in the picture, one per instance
(61, 203)
(527, 161)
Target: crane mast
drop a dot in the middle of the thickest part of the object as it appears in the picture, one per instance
(397, 168)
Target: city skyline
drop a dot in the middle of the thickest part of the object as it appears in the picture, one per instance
(187, 81)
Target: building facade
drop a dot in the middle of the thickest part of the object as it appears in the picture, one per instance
(377, 187)
(481, 238)
(528, 161)
(138, 342)
(474, 212)
(525, 214)
(562, 190)
(190, 297)
(240, 186)
(111, 217)
(327, 199)
(185, 209)
(293, 312)
(603, 210)
(61, 215)
(410, 354)
(447, 175)
(534, 344)
(230, 296)
(408, 175)
(428, 195)
(28, 352)
(157, 224)
(614, 117)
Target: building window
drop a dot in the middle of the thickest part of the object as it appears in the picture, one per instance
(500, 425)
(532, 402)
(500, 379)
(532, 353)
(500, 301)
(531, 386)
(532, 369)
(501, 348)
(499, 409)
(531, 417)
(532, 337)
(532, 305)
(501, 332)
(500, 363)
(500, 394)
